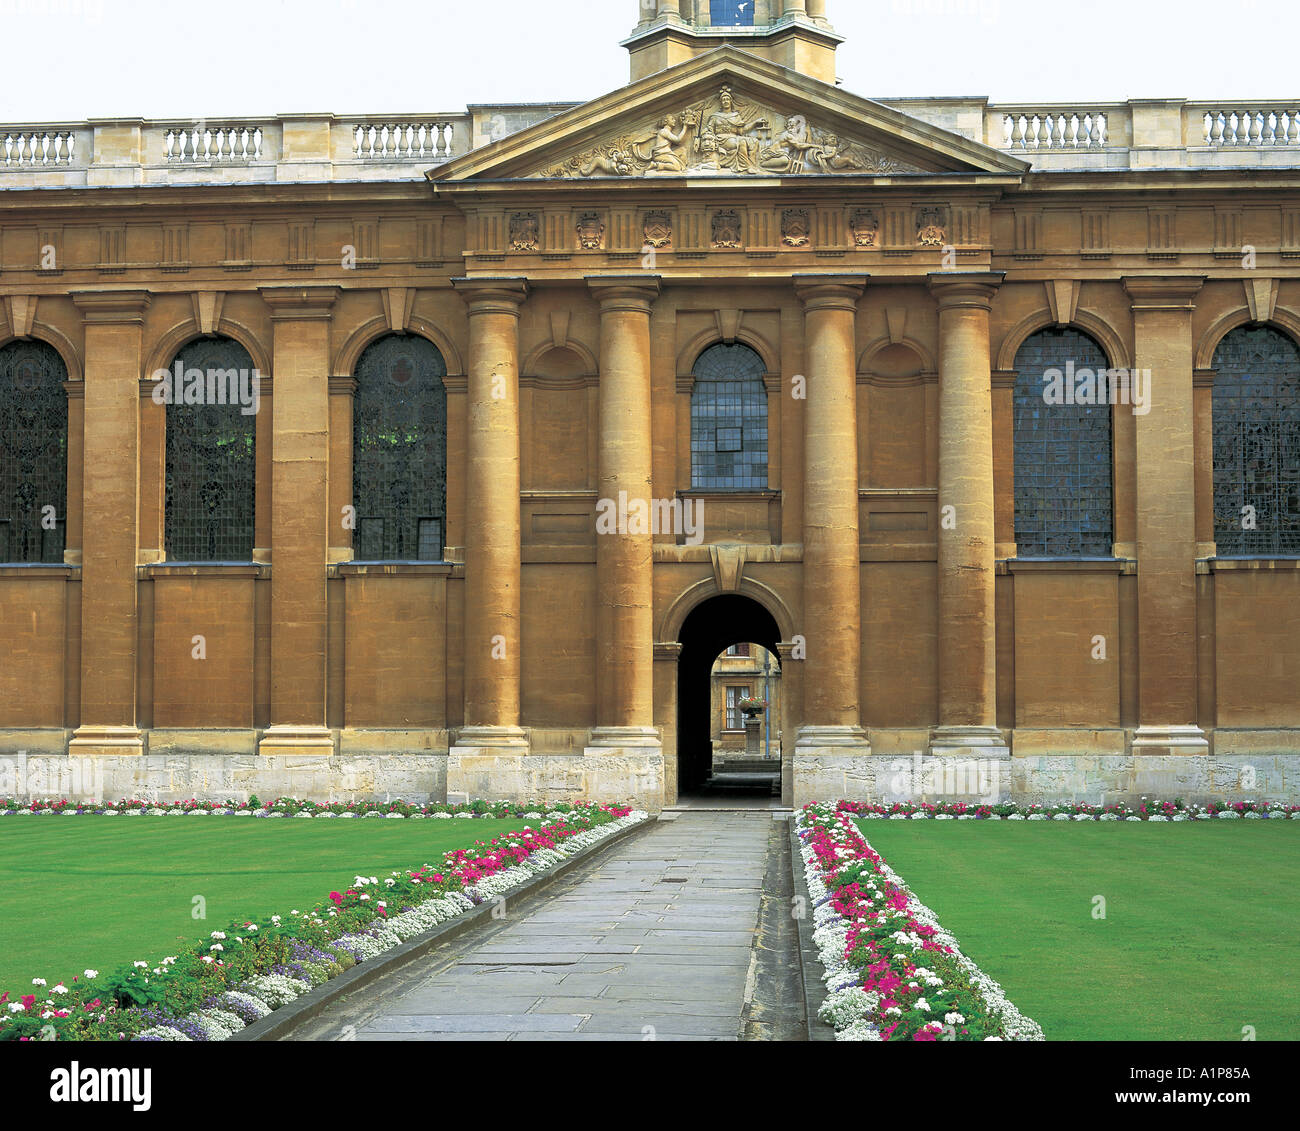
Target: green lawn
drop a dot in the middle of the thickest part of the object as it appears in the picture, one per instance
(96, 892)
(1201, 936)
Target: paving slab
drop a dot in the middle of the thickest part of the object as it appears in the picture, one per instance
(612, 952)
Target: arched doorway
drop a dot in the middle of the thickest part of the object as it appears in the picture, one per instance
(709, 630)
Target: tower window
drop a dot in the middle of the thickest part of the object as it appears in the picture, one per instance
(731, 13)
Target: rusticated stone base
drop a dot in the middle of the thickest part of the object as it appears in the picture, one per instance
(618, 765)
(1097, 766)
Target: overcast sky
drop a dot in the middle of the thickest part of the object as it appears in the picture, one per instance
(68, 60)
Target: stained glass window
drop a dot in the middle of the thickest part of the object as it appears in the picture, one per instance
(1257, 444)
(33, 452)
(731, 13)
(1063, 482)
(729, 420)
(211, 454)
(399, 454)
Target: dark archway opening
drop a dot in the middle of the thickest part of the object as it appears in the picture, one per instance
(709, 630)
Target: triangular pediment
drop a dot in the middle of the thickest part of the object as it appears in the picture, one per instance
(727, 114)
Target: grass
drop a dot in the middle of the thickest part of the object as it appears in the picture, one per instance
(1201, 935)
(98, 893)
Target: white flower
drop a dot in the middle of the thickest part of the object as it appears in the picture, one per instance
(141, 965)
(218, 934)
(91, 973)
(38, 981)
(15, 1007)
(216, 946)
(953, 1019)
(206, 958)
(59, 989)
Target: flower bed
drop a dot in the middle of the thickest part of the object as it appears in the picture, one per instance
(1145, 810)
(284, 807)
(892, 972)
(214, 987)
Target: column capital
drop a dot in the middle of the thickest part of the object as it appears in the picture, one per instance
(970, 289)
(625, 292)
(112, 306)
(299, 304)
(492, 295)
(1159, 292)
(829, 292)
(342, 386)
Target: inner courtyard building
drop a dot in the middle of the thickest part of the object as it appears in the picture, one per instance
(455, 454)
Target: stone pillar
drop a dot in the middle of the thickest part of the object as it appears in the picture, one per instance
(794, 8)
(670, 8)
(1166, 536)
(300, 420)
(342, 392)
(492, 540)
(966, 535)
(113, 324)
(817, 11)
(625, 737)
(831, 744)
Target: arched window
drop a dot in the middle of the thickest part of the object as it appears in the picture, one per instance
(731, 13)
(1062, 439)
(1257, 443)
(33, 452)
(211, 453)
(729, 420)
(399, 451)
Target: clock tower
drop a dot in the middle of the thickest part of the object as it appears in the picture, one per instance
(793, 33)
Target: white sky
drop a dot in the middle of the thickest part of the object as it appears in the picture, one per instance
(68, 60)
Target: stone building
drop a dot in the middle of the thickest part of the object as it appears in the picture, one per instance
(388, 457)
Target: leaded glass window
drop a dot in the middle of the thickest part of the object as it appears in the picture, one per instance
(399, 455)
(33, 452)
(729, 420)
(211, 454)
(1063, 482)
(731, 13)
(1257, 443)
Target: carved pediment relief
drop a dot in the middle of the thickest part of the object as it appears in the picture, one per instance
(726, 135)
(727, 114)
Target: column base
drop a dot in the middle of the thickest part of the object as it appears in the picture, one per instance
(497, 738)
(968, 742)
(295, 741)
(625, 764)
(1169, 741)
(1170, 761)
(106, 742)
(831, 762)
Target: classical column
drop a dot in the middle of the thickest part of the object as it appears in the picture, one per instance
(624, 539)
(671, 9)
(966, 534)
(1166, 521)
(794, 8)
(113, 324)
(817, 10)
(492, 543)
(832, 600)
(300, 420)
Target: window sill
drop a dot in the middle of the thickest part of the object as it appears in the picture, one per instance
(150, 570)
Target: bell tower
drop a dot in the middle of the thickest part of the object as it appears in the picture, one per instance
(793, 33)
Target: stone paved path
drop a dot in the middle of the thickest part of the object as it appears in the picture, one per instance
(666, 936)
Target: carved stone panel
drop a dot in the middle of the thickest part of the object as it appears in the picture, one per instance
(865, 227)
(524, 231)
(726, 229)
(794, 227)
